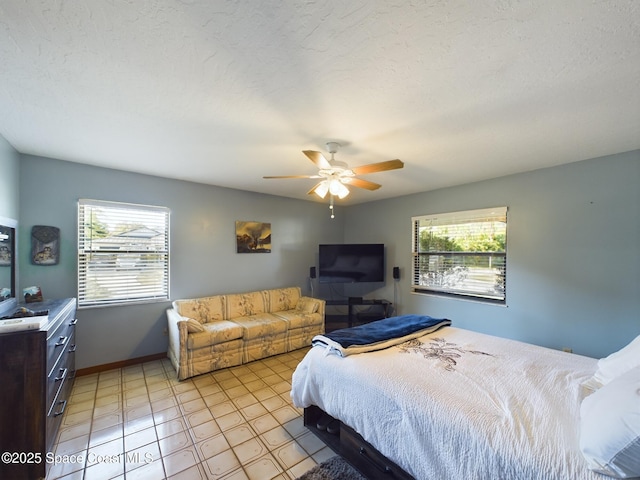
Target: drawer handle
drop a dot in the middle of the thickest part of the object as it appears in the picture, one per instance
(61, 342)
(73, 322)
(73, 348)
(63, 375)
(64, 405)
(384, 469)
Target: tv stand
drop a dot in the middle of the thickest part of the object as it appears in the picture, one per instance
(381, 310)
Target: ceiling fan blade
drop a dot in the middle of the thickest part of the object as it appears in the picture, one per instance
(358, 182)
(295, 176)
(318, 159)
(378, 167)
(313, 190)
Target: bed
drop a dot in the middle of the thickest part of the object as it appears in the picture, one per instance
(453, 403)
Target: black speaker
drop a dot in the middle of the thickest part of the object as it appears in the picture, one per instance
(312, 272)
(396, 272)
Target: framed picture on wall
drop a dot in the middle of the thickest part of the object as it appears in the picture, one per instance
(253, 237)
(45, 245)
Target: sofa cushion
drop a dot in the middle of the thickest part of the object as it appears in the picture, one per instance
(297, 319)
(260, 325)
(282, 298)
(206, 309)
(244, 305)
(214, 332)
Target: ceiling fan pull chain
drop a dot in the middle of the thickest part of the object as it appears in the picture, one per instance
(331, 206)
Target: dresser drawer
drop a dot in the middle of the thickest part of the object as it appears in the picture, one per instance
(56, 411)
(64, 369)
(59, 342)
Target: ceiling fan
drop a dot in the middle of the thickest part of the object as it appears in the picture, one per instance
(337, 175)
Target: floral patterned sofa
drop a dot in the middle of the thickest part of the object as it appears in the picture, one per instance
(210, 333)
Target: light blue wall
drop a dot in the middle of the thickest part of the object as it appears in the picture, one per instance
(203, 258)
(573, 253)
(9, 178)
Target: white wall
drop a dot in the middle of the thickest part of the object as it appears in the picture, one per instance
(573, 254)
(9, 179)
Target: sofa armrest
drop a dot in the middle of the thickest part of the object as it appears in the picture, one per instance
(177, 330)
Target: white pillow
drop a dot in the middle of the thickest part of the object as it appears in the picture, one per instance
(618, 362)
(610, 427)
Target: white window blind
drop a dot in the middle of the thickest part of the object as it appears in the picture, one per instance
(123, 253)
(461, 253)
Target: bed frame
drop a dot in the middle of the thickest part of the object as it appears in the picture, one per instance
(356, 450)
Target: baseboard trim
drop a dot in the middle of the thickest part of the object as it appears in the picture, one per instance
(122, 363)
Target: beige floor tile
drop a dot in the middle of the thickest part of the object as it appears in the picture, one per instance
(298, 469)
(290, 454)
(284, 414)
(175, 442)
(239, 434)
(276, 437)
(264, 423)
(170, 427)
(205, 430)
(221, 464)
(138, 423)
(310, 442)
(73, 445)
(250, 450)
(212, 446)
(142, 456)
(140, 438)
(180, 460)
(198, 418)
(232, 424)
(105, 421)
(223, 408)
(105, 435)
(67, 433)
(263, 468)
(153, 470)
(235, 392)
(193, 473)
(192, 405)
(229, 420)
(163, 416)
(253, 411)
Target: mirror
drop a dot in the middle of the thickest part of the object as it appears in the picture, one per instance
(8, 260)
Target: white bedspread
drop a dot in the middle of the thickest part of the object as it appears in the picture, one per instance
(467, 406)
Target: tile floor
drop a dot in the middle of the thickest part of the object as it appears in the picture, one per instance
(139, 422)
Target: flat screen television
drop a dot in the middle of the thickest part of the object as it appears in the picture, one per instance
(351, 263)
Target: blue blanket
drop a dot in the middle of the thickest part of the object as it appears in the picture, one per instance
(379, 334)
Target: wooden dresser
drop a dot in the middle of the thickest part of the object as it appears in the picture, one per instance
(37, 369)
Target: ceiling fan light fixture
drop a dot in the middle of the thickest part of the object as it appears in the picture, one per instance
(337, 188)
(322, 189)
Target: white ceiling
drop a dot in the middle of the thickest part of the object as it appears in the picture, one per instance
(224, 92)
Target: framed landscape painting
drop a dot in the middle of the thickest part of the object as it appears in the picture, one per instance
(253, 237)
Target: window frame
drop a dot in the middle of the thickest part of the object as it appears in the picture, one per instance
(475, 285)
(123, 257)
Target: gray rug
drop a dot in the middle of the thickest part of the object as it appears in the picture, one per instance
(336, 468)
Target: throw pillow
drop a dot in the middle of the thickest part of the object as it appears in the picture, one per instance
(307, 305)
(618, 362)
(193, 326)
(610, 427)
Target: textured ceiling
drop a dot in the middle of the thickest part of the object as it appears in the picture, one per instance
(226, 92)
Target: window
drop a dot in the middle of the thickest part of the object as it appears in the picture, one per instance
(461, 254)
(123, 253)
